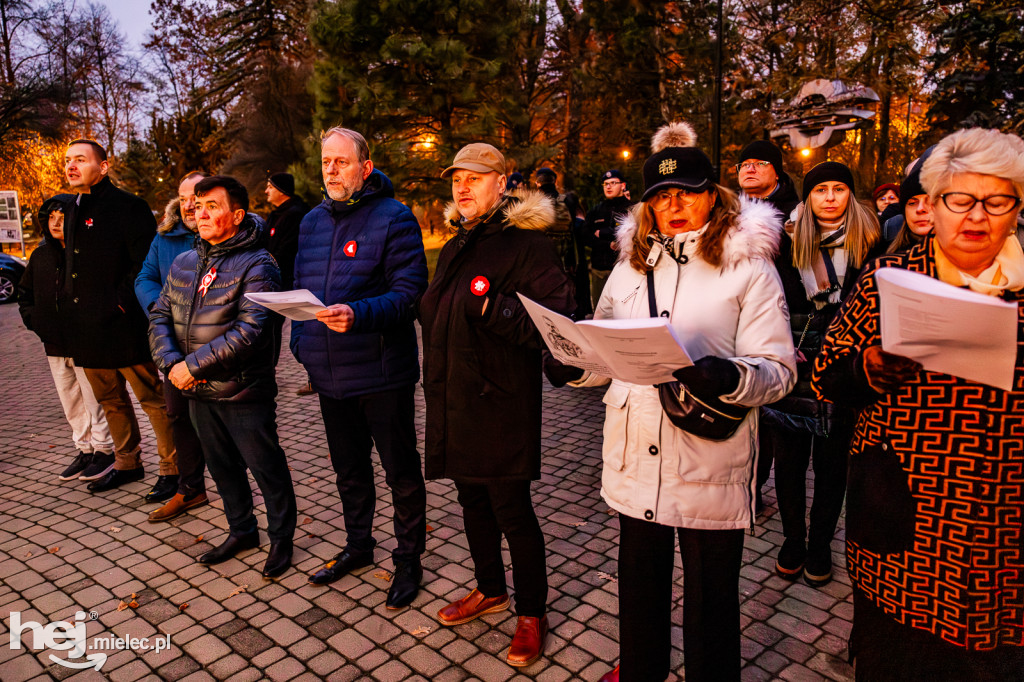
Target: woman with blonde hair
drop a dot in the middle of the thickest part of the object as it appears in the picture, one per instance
(833, 237)
(695, 254)
(935, 533)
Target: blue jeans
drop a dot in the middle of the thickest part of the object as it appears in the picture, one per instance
(240, 436)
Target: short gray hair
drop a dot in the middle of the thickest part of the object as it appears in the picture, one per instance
(975, 150)
(362, 149)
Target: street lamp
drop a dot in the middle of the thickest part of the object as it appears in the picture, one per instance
(625, 155)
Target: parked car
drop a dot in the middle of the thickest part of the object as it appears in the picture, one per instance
(11, 270)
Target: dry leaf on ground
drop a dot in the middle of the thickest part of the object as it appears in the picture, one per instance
(134, 604)
(306, 521)
(199, 538)
(54, 550)
(420, 631)
(577, 525)
(239, 590)
(183, 606)
(122, 606)
(429, 528)
(115, 529)
(606, 576)
(383, 575)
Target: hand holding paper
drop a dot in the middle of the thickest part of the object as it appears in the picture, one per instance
(299, 304)
(947, 329)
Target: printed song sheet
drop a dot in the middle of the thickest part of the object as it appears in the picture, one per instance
(641, 351)
(948, 329)
(299, 304)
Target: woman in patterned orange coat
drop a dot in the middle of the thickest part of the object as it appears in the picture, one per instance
(935, 543)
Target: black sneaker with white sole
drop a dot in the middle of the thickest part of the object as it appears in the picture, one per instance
(101, 464)
(78, 465)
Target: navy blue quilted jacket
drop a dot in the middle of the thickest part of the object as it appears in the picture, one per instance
(366, 252)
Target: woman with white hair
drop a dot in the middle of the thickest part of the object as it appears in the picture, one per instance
(935, 543)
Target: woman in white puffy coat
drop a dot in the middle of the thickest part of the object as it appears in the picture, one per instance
(711, 257)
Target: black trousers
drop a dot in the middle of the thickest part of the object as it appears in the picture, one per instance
(793, 451)
(490, 511)
(191, 463)
(711, 601)
(884, 650)
(240, 436)
(354, 426)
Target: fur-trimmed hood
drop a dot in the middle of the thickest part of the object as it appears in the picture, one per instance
(527, 209)
(755, 235)
(172, 218)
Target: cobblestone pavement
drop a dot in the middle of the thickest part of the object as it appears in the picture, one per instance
(63, 550)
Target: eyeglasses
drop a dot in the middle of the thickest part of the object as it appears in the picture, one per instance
(994, 205)
(753, 165)
(663, 200)
(612, 183)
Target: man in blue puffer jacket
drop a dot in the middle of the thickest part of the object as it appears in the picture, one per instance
(175, 235)
(361, 253)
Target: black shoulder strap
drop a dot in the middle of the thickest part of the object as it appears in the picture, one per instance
(651, 301)
(830, 266)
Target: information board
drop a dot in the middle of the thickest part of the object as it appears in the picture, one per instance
(10, 218)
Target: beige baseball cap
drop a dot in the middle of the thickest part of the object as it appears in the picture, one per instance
(478, 156)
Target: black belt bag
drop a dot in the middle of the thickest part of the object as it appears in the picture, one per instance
(707, 417)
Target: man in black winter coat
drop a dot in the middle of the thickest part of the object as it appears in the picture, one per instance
(482, 384)
(216, 347)
(283, 236)
(602, 222)
(107, 236)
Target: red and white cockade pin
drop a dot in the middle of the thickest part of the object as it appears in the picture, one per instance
(350, 249)
(272, 231)
(479, 285)
(88, 222)
(207, 281)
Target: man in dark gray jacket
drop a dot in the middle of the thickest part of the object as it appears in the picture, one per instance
(216, 346)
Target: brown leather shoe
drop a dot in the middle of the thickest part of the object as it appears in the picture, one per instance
(528, 642)
(612, 676)
(177, 506)
(472, 606)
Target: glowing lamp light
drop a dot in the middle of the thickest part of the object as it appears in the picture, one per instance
(625, 155)
(805, 153)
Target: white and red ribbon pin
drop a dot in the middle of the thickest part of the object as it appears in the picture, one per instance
(350, 249)
(207, 281)
(479, 285)
(88, 222)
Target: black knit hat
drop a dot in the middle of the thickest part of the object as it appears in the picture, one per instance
(763, 150)
(284, 182)
(545, 172)
(911, 186)
(827, 171)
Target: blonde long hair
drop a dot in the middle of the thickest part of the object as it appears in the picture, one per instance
(723, 216)
(862, 233)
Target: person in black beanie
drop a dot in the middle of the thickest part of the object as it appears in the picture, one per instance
(761, 176)
(915, 216)
(283, 236)
(833, 237)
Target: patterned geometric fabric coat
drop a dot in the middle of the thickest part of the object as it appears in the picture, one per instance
(936, 485)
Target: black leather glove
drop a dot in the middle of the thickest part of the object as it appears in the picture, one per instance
(557, 373)
(886, 372)
(709, 376)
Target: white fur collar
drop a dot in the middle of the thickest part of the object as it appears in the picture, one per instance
(526, 209)
(755, 235)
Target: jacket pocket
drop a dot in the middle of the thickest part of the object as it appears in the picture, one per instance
(880, 511)
(616, 426)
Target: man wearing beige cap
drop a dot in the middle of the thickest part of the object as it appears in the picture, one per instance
(482, 384)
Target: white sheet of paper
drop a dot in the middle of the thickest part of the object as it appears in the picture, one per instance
(298, 304)
(641, 351)
(948, 329)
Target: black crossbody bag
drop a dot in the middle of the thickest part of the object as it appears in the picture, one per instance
(707, 418)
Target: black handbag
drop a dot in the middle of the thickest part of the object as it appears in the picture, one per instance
(707, 418)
